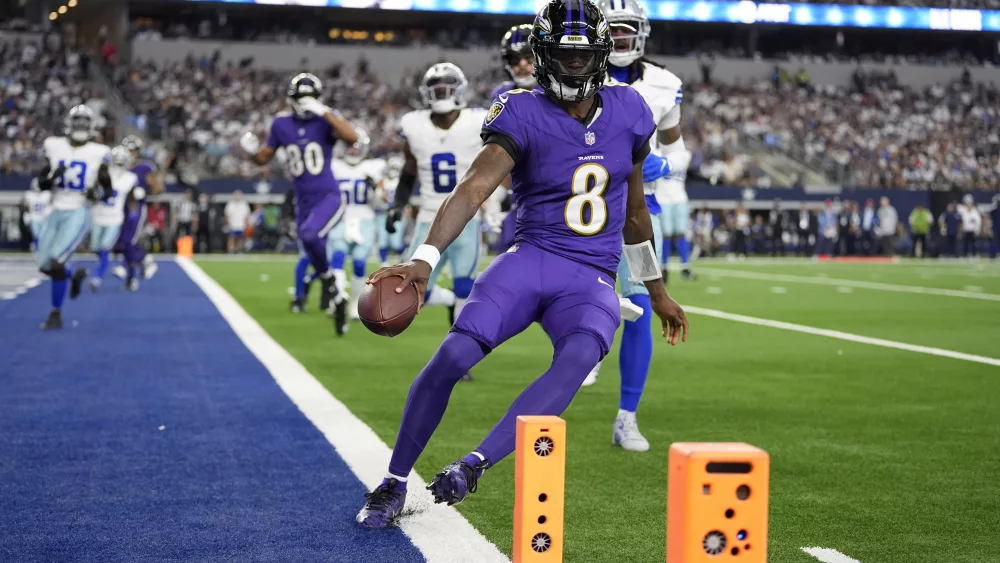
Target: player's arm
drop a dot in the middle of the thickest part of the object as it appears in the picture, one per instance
(640, 253)
(404, 189)
(489, 168)
(47, 176)
(342, 128)
(104, 183)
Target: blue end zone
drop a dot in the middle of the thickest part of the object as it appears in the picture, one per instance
(237, 473)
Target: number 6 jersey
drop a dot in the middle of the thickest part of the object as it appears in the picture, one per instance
(308, 145)
(570, 177)
(443, 155)
(81, 162)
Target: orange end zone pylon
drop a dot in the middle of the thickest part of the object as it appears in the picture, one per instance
(539, 489)
(717, 498)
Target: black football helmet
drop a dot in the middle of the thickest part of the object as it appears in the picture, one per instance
(304, 85)
(571, 41)
(513, 48)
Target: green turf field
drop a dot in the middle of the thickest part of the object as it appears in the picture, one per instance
(885, 455)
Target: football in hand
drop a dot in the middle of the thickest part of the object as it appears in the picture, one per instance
(385, 312)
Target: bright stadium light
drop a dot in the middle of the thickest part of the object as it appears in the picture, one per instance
(62, 9)
(863, 17)
(71, 3)
(53, 16)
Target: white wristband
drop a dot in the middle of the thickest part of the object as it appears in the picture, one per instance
(428, 254)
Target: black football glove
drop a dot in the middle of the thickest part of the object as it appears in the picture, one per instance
(394, 214)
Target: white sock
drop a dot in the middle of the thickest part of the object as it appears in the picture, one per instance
(460, 304)
(340, 278)
(624, 414)
(391, 476)
(357, 286)
(441, 296)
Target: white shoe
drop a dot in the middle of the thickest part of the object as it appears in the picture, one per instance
(120, 272)
(150, 271)
(592, 376)
(352, 311)
(626, 434)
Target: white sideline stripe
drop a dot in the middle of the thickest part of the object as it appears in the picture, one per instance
(827, 555)
(843, 336)
(438, 531)
(854, 283)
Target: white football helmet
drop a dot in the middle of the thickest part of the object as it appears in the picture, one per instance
(629, 30)
(356, 153)
(121, 157)
(81, 124)
(394, 166)
(444, 88)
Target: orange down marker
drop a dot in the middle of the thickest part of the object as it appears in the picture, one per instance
(539, 489)
(717, 495)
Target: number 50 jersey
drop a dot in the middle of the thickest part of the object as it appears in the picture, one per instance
(443, 155)
(308, 145)
(81, 162)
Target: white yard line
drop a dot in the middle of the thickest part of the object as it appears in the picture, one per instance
(843, 336)
(852, 283)
(438, 531)
(827, 555)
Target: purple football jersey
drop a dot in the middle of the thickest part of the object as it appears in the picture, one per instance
(571, 180)
(308, 147)
(509, 85)
(143, 169)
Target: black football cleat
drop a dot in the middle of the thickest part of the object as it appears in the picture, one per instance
(54, 322)
(687, 274)
(340, 318)
(451, 315)
(297, 305)
(76, 284)
(455, 482)
(328, 292)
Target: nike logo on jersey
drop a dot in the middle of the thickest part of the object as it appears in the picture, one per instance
(601, 280)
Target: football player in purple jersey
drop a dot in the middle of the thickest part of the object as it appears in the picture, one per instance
(574, 150)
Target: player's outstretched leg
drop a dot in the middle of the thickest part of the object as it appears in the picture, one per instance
(425, 406)
(58, 273)
(550, 394)
(301, 287)
(634, 357)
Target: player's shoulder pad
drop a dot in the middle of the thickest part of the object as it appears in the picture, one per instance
(515, 102)
(412, 121)
(283, 113)
(54, 141)
(658, 77)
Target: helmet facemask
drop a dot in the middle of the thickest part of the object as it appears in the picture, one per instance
(80, 126)
(304, 85)
(444, 88)
(515, 63)
(571, 73)
(629, 36)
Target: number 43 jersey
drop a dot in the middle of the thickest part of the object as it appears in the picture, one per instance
(308, 145)
(443, 155)
(81, 162)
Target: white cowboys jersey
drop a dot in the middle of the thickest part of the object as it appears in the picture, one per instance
(661, 89)
(389, 185)
(443, 155)
(112, 212)
(357, 185)
(39, 204)
(81, 162)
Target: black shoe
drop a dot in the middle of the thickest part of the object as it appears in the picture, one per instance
(329, 290)
(451, 315)
(688, 275)
(297, 305)
(76, 283)
(340, 317)
(54, 321)
(455, 482)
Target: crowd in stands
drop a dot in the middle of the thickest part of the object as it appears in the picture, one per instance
(875, 133)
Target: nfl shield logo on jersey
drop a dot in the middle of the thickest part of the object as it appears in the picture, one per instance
(589, 138)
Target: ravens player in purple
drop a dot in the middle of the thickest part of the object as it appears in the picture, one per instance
(517, 60)
(574, 150)
(308, 135)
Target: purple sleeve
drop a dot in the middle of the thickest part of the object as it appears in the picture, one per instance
(272, 136)
(505, 117)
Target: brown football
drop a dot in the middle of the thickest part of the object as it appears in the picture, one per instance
(385, 312)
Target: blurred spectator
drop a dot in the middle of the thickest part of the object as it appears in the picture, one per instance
(185, 217)
(806, 231)
(828, 219)
(156, 226)
(949, 223)
(237, 216)
(869, 225)
(920, 224)
(888, 220)
(741, 231)
(972, 224)
(205, 224)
